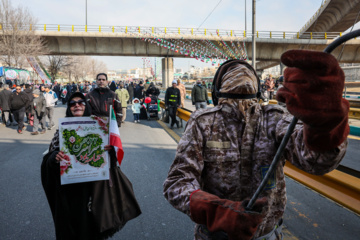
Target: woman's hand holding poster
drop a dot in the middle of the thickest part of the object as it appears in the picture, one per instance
(82, 140)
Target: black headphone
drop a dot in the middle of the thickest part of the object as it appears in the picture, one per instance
(216, 85)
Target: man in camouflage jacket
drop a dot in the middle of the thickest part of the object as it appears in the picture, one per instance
(225, 151)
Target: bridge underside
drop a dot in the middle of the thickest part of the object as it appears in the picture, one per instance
(336, 16)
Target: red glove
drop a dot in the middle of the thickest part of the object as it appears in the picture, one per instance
(312, 91)
(225, 215)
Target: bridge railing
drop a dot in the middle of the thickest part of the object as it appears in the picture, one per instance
(316, 14)
(174, 31)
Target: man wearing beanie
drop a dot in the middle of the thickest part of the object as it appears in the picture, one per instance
(38, 108)
(172, 102)
(226, 151)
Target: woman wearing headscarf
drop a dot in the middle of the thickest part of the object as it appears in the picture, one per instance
(113, 86)
(152, 91)
(71, 204)
(226, 151)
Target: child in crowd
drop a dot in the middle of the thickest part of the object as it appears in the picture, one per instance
(136, 106)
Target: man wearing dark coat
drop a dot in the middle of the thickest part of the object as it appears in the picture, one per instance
(19, 101)
(28, 92)
(172, 102)
(102, 97)
(139, 92)
(131, 92)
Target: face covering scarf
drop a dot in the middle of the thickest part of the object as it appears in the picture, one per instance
(239, 80)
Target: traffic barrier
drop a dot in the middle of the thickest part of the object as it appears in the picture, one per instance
(354, 130)
(354, 113)
(337, 186)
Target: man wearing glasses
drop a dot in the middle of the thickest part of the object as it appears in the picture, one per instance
(102, 97)
(18, 102)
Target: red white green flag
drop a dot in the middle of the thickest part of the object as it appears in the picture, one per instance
(115, 140)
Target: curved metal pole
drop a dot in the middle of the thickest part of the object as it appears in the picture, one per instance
(292, 125)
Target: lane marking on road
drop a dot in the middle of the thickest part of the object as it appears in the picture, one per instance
(353, 137)
(169, 131)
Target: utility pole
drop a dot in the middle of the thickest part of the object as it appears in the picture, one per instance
(253, 35)
(85, 12)
(245, 18)
(144, 67)
(155, 70)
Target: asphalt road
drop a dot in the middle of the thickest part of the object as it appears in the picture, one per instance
(149, 152)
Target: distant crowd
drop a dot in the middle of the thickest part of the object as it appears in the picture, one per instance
(33, 104)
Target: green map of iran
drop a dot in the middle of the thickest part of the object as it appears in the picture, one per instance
(87, 149)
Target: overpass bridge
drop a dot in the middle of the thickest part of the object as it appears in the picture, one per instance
(332, 16)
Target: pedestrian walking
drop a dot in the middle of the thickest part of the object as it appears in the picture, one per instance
(123, 96)
(172, 102)
(270, 85)
(5, 95)
(136, 107)
(226, 151)
(28, 92)
(72, 206)
(38, 108)
(51, 99)
(199, 95)
(18, 103)
(182, 89)
(131, 92)
(139, 92)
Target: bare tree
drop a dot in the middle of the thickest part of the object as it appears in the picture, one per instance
(82, 68)
(17, 36)
(55, 64)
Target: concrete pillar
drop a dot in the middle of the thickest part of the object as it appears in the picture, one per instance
(282, 66)
(167, 71)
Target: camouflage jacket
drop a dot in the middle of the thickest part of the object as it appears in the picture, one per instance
(225, 154)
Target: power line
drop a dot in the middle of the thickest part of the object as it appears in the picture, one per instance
(210, 14)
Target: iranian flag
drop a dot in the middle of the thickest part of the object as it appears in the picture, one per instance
(115, 140)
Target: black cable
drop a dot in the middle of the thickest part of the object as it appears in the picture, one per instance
(342, 49)
(210, 14)
(292, 125)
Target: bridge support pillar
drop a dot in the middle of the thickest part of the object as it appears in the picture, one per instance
(167, 71)
(282, 66)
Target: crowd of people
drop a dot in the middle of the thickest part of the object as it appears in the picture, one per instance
(30, 104)
(34, 104)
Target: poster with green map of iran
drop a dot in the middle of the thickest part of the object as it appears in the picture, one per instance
(82, 140)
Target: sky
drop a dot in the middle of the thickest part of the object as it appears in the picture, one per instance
(274, 15)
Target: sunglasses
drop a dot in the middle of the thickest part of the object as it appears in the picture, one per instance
(80, 102)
